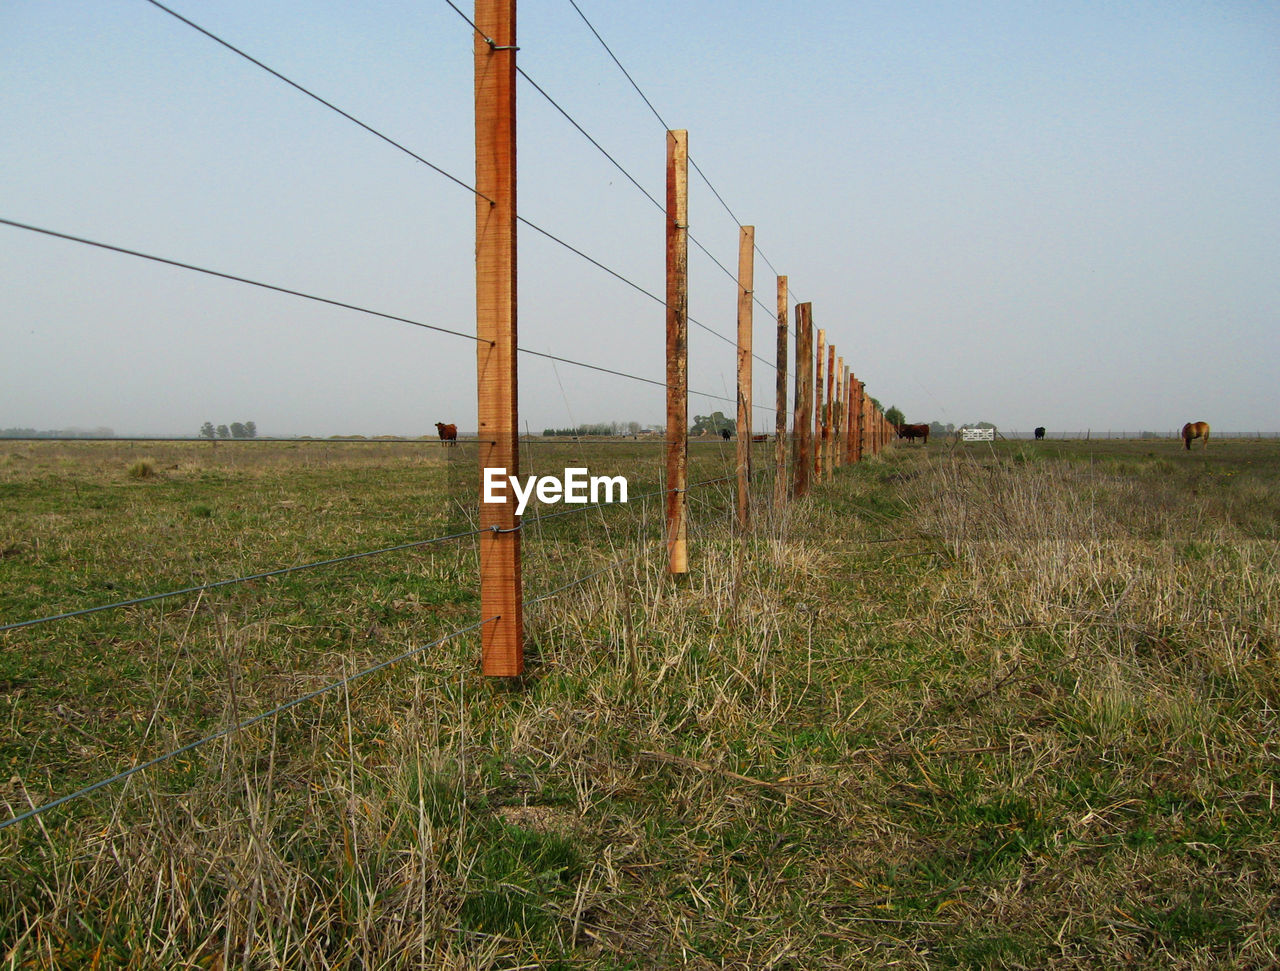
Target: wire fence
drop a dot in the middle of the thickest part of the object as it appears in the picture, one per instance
(1096, 435)
(530, 525)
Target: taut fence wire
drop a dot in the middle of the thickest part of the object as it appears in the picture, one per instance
(232, 729)
(830, 422)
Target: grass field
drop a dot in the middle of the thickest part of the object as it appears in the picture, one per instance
(992, 706)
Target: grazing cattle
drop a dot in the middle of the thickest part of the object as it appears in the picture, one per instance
(759, 438)
(1193, 430)
(912, 432)
(1040, 433)
(448, 434)
(724, 433)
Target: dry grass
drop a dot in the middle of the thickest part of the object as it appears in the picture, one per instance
(990, 709)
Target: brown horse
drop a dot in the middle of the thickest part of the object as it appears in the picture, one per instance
(1193, 430)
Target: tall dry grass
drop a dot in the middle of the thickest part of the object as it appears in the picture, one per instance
(1003, 710)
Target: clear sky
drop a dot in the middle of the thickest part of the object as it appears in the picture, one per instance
(1059, 214)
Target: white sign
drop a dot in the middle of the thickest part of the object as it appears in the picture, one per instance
(572, 488)
(978, 434)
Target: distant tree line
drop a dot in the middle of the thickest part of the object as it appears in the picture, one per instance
(236, 429)
(599, 428)
(57, 433)
(713, 424)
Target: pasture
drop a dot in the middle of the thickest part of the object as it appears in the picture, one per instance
(1005, 705)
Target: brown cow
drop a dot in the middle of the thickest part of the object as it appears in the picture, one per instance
(912, 432)
(1193, 430)
(759, 438)
(448, 434)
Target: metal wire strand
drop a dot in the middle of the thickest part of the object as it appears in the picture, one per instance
(248, 723)
(453, 178)
(232, 277)
(572, 583)
(569, 118)
(245, 579)
(632, 179)
(333, 686)
(390, 141)
(339, 303)
(696, 167)
(311, 94)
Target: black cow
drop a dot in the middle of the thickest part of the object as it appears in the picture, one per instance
(1040, 433)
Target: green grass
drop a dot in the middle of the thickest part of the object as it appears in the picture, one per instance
(991, 707)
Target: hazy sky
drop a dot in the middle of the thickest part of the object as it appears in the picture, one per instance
(1059, 214)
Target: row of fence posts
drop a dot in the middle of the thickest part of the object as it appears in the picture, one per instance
(843, 426)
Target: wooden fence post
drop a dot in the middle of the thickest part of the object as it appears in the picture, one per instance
(802, 424)
(819, 411)
(863, 421)
(827, 412)
(677, 348)
(837, 417)
(746, 289)
(855, 423)
(780, 425)
(846, 418)
(502, 639)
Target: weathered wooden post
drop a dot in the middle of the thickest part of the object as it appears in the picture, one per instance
(848, 416)
(864, 417)
(780, 425)
(677, 348)
(837, 417)
(844, 414)
(802, 423)
(819, 412)
(746, 289)
(827, 411)
(502, 639)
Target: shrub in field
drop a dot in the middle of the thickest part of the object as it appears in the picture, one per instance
(142, 469)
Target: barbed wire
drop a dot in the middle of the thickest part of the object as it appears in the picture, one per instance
(456, 9)
(631, 283)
